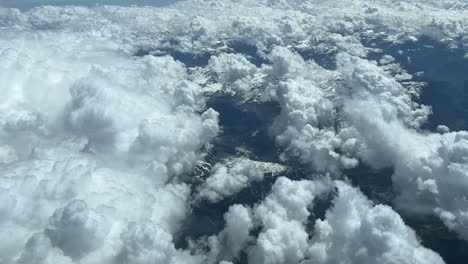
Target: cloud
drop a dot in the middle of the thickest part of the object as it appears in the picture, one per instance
(229, 243)
(95, 141)
(280, 219)
(356, 231)
(28, 4)
(430, 168)
(76, 229)
(90, 138)
(306, 126)
(282, 215)
(39, 249)
(147, 242)
(353, 230)
(229, 179)
(231, 67)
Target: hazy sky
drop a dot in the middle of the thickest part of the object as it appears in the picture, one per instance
(27, 4)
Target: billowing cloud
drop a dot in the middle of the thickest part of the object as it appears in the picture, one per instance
(90, 139)
(27, 4)
(430, 168)
(355, 231)
(234, 70)
(97, 140)
(234, 238)
(76, 229)
(147, 242)
(282, 216)
(228, 179)
(307, 124)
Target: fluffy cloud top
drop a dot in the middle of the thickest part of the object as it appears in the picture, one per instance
(430, 168)
(352, 231)
(233, 69)
(229, 179)
(355, 231)
(307, 124)
(234, 238)
(27, 4)
(96, 142)
(282, 215)
(90, 138)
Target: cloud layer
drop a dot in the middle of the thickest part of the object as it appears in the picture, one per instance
(103, 124)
